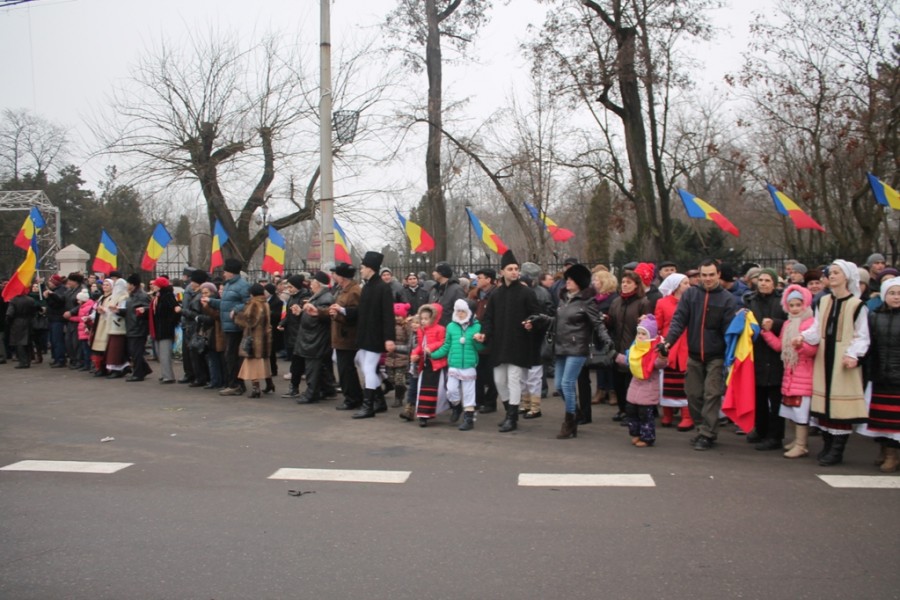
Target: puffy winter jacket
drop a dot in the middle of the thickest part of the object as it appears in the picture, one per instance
(705, 315)
(797, 380)
(767, 362)
(883, 359)
(235, 294)
(459, 354)
(431, 338)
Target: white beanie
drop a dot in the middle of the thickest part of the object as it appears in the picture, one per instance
(462, 305)
(671, 283)
(851, 272)
(888, 284)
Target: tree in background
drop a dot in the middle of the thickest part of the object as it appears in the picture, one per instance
(426, 24)
(29, 143)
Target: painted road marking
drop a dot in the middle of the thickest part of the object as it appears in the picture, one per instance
(348, 475)
(66, 466)
(861, 481)
(585, 480)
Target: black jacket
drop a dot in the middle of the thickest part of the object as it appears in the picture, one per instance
(577, 319)
(137, 326)
(291, 322)
(164, 316)
(415, 298)
(314, 334)
(374, 316)
(705, 315)
(507, 339)
(883, 359)
(446, 295)
(768, 365)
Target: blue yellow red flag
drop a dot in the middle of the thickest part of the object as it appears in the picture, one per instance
(556, 232)
(739, 403)
(789, 208)
(274, 259)
(486, 234)
(107, 258)
(341, 245)
(419, 239)
(885, 195)
(700, 209)
(220, 238)
(34, 222)
(20, 282)
(158, 242)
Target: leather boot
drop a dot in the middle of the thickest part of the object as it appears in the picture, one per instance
(512, 419)
(535, 410)
(456, 411)
(891, 460)
(291, 393)
(827, 440)
(380, 401)
(882, 455)
(468, 421)
(835, 455)
(255, 391)
(569, 427)
(409, 413)
(667, 416)
(506, 406)
(367, 410)
(799, 449)
(270, 386)
(598, 397)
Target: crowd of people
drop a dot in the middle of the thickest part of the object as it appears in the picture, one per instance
(827, 360)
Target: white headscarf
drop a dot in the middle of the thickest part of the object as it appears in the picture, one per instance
(851, 272)
(888, 284)
(671, 283)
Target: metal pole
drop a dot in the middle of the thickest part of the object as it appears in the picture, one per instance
(470, 238)
(326, 201)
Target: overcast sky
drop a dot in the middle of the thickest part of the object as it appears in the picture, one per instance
(63, 57)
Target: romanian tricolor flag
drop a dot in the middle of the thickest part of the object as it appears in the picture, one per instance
(739, 404)
(486, 234)
(884, 194)
(641, 358)
(419, 240)
(107, 258)
(220, 238)
(789, 208)
(158, 242)
(698, 209)
(274, 259)
(20, 282)
(556, 232)
(341, 245)
(34, 222)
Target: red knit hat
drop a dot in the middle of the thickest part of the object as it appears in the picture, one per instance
(645, 271)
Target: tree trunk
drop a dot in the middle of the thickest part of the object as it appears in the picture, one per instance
(435, 192)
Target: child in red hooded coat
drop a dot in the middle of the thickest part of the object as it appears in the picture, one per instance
(431, 397)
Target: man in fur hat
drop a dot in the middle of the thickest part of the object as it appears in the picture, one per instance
(509, 343)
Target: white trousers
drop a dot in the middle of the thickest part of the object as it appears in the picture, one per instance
(467, 386)
(533, 377)
(508, 379)
(367, 362)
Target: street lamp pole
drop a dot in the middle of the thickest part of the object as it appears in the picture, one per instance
(326, 201)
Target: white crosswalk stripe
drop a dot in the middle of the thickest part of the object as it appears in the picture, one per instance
(585, 480)
(347, 475)
(861, 481)
(66, 466)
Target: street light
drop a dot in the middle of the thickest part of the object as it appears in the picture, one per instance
(345, 122)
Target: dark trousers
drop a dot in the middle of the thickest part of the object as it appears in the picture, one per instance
(200, 367)
(71, 335)
(485, 388)
(621, 381)
(313, 378)
(298, 368)
(135, 347)
(188, 361)
(23, 353)
(58, 341)
(584, 394)
(348, 376)
(769, 424)
(231, 359)
(328, 382)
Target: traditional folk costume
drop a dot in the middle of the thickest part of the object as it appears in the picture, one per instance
(431, 393)
(461, 352)
(673, 394)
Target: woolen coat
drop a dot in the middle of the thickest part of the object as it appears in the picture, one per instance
(506, 337)
(767, 362)
(19, 313)
(343, 326)
(375, 315)
(313, 338)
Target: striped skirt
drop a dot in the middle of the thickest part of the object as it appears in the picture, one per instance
(673, 393)
(884, 412)
(431, 392)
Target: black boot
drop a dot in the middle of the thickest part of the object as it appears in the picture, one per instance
(505, 412)
(512, 419)
(270, 386)
(291, 393)
(367, 410)
(347, 404)
(827, 441)
(380, 401)
(455, 412)
(835, 455)
(468, 421)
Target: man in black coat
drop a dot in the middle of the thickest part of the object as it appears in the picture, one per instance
(314, 337)
(510, 344)
(137, 327)
(413, 294)
(375, 329)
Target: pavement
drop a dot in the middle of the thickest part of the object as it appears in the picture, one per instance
(391, 510)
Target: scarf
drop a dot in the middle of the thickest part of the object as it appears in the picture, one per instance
(792, 330)
(641, 357)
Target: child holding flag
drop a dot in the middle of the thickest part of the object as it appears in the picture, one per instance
(645, 363)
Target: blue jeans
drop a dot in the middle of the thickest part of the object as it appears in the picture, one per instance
(58, 341)
(567, 370)
(214, 362)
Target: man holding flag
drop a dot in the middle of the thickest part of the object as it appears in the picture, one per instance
(705, 312)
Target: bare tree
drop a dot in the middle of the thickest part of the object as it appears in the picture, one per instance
(620, 60)
(425, 24)
(30, 143)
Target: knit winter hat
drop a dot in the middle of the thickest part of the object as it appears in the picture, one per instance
(888, 284)
(864, 276)
(296, 281)
(257, 290)
(401, 309)
(134, 279)
(161, 282)
(444, 269)
(800, 268)
(671, 283)
(648, 325)
(322, 278)
(645, 271)
(771, 273)
(199, 276)
(232, 265)
(874, 258)
(461, 305)
(210, 286)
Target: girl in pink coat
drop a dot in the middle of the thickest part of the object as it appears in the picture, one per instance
(798, 355)
(83, 318)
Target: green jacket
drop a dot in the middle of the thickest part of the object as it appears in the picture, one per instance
(459, 355)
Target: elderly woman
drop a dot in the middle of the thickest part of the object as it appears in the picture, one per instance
(164, 316)
(843, 325)
(255, 342)
(673, 395)
(116, 356)
(577, 320)
(765, 304)
(101, 319)
(210, 326)
(883, 373)
(624, 315)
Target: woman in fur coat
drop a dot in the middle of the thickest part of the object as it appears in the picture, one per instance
(255, 343)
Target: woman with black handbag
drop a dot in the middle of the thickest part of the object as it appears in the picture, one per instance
(256, 341)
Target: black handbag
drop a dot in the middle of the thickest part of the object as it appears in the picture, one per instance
(199, 343)
(601, 351)
(40, 322)
(547, 346)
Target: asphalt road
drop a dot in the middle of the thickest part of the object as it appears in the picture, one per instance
(196, 515)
